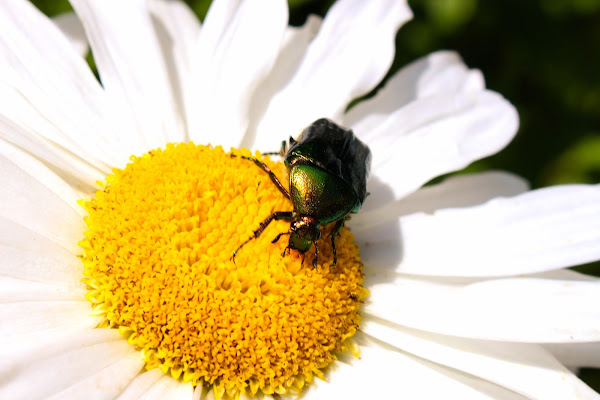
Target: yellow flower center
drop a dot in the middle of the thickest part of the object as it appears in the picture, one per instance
(157, 259)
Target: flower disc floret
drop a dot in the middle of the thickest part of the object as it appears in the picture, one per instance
(157, 262)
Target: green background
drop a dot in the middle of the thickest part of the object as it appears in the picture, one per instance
(542, 55)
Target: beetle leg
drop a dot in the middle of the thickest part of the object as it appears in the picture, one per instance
(285, 215)
(279, 236)
(286, 250)
(315, 260)
(336, 232)
(265, 168)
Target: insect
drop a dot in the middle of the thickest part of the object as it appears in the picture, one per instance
(328, 169)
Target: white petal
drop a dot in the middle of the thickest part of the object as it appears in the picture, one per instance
(350, 55)
(439, 73)
(106, 383)
(71, 27)
(576, 355)
(540, 230)
(513, 309)
(31, 256)
(198, 392)
(44, 320)
(19, 290)
(177, 29)
(48, 90)
(72, 168)
(100, 354)
(524, 368)
(167, 388)
(295, 43)
(132, 69)
(141, 384)
(438, 134)
(238, 47)
(210, 395)
(69, 192)
(456, 191)
(565, 275)
(440, 107)
(31, 204)
(179, 23)
(382, 372)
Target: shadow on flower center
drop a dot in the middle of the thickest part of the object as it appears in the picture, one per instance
(157, 259)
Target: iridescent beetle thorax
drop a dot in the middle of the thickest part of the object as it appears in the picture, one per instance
(320, 194)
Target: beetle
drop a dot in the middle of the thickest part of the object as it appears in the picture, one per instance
(328, 169)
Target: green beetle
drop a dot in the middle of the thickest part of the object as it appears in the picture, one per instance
(328, 169)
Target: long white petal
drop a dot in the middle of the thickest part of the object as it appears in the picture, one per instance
(178, 30)
(439, 73)
(71, 27)
(350, 55)
(179, 25)
(540, 230)
(28, 255)
(71, 167)
(50, 318)
(238, 47)
(512, 309)
(381, 372)
(67, 189)
(45, 287)
(210, 395)
(168, 388)
(527, 369)
(440, 107)
(576, 355)
(48, 89)
(105, 383)
(456, 191)
(96, 360)
(14, 290)
(31, 204)
(132, 69)
(439, 134)
(293, 48)
(141, 384)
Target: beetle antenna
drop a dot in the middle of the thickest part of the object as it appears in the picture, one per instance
(280, 153)
(277, 215)
(238, 249)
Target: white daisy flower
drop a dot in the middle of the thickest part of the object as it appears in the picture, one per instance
(467, 298)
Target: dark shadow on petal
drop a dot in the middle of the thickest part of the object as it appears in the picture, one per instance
(380, 245)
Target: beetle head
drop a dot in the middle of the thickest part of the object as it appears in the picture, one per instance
(304, 232)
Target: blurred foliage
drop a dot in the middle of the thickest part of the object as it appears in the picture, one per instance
(542, 55)
(52, 7)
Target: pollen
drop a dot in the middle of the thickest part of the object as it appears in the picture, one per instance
(158, 267)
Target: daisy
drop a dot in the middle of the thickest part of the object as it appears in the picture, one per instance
(464, 293)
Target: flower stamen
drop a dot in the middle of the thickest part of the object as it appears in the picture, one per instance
(157, 262)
